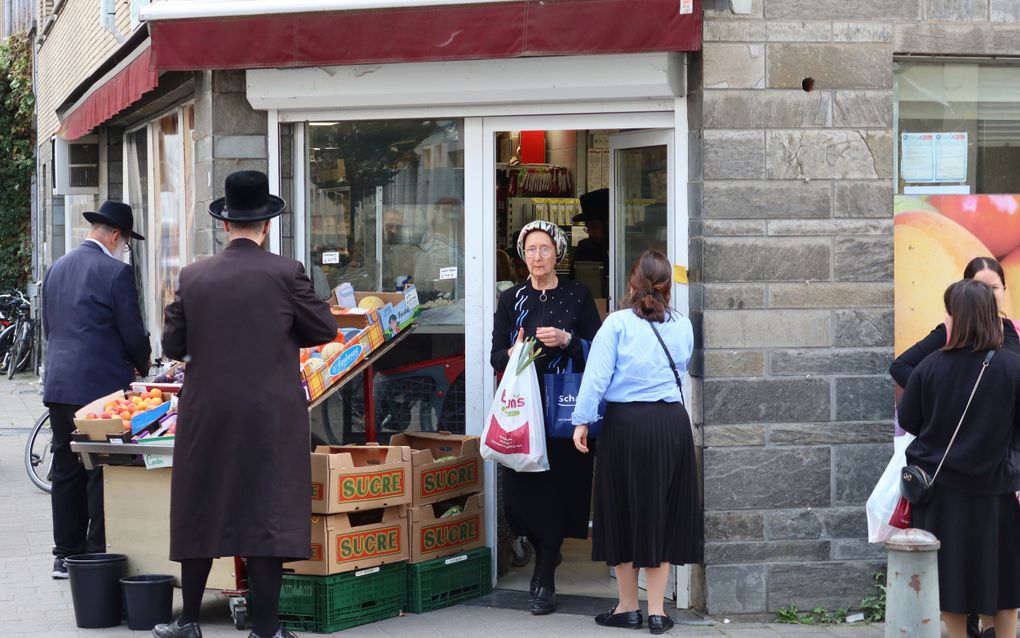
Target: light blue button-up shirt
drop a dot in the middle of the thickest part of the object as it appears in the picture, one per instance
(626, 363)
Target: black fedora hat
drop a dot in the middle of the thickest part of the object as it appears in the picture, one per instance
(116, 214)
(247, 199)
(594, 206)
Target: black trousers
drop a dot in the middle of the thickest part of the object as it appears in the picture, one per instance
(77, 496)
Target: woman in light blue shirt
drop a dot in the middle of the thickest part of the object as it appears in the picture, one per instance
(647, 509)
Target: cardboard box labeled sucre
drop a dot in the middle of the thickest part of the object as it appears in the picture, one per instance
(444, 465)
(360, 477)
(434, 535)
(355, 540)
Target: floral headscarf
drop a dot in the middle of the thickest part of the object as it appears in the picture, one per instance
(559, 239)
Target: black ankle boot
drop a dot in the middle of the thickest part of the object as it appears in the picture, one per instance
(544, 601)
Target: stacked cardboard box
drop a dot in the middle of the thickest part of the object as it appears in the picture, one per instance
(447, 514)
(360, 496)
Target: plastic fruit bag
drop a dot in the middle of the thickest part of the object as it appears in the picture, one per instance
(886, 496)
(514, 433)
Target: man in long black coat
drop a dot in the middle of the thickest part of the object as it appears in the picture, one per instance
(96, 342)
(242, 474)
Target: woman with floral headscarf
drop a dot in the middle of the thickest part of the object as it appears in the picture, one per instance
(547, 506)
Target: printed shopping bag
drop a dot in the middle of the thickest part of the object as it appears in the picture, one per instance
(561, 392)
(900, 518)
(885, 499)
(514, 433)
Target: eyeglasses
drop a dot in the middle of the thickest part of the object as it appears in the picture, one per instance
(544, 251)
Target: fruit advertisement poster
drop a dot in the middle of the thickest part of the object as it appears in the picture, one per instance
(935, 236)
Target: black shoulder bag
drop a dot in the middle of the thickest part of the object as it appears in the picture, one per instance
(915, 484)
(672, 366)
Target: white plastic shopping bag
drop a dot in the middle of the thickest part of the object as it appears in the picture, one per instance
(514, 433)
(886, 494)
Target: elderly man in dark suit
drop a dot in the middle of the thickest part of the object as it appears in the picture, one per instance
(241, 464)
(96, 343)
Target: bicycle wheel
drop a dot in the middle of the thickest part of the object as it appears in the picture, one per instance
(39, 453)
(21, 352)
(6, 343)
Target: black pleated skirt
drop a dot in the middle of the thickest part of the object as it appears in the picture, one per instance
(647, 505)
(979, 559)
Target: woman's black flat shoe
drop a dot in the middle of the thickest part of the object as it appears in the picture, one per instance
(623, 620)
(659, 624)
(544, 601)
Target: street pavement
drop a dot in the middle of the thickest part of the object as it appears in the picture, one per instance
(33, 604)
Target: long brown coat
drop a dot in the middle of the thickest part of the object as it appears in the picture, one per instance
(241, 474)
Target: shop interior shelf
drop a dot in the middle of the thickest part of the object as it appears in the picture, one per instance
(446, 581)
(324, 604)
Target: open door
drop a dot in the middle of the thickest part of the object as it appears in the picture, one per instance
(641, 206)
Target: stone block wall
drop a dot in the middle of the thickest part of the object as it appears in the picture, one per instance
(791, 242)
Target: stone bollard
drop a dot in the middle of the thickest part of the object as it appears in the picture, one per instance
(912, 585)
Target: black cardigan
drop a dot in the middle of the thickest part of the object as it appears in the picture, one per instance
(985, 459)
(915, 354)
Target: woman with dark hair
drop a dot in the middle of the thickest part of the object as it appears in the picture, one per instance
(983, 269)
(547, 507)
(968, 438)
(647, 509)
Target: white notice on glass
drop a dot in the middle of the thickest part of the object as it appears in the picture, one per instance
(331, 257)
(917, 157)
(448, 273)
(950, 157)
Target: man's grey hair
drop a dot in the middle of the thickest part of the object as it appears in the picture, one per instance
(106, 229)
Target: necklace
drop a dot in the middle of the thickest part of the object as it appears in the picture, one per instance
(542, 293)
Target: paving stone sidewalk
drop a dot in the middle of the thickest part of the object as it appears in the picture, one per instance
(33, 604)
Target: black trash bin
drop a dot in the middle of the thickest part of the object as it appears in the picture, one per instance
(95, 588)
(149, 599)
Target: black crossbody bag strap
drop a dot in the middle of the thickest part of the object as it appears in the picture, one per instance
(672, 365)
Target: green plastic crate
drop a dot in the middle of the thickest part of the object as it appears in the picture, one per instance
(442, 582)
(324, 604)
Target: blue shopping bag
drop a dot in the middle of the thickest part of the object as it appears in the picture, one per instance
(560, 396)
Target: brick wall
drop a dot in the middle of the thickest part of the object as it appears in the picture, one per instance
(75, 46)
(794, 248)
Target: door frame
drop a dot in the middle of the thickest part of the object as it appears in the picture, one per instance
(480, 194)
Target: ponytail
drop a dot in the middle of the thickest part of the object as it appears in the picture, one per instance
(651, 277)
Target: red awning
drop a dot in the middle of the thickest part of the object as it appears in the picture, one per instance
(114, 95)
(426, 33)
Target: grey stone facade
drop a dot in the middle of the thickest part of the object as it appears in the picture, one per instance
(791, 108)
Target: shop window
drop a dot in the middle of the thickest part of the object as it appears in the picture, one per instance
(958, 128)
(384, 207)
(136, 193)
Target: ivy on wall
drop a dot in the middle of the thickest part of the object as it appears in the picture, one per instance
(17, 162)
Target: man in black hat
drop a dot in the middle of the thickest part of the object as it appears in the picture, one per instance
(595, 217)
(97, 342)
(241, 462)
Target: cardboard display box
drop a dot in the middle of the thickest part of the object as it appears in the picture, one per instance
(399, 311)
(98, 429)
(435, 536)
(355, 540)
(434, 480)
(360, 477)
(354, 352)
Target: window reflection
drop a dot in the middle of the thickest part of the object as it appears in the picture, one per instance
(385, 208)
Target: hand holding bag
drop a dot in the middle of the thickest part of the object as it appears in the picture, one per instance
(514, 433)
(561, 392)
(915, 484)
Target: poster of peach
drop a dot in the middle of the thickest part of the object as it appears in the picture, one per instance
(934, 237)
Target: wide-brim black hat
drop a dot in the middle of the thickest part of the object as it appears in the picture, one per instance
(247, 199)
(116, 214)
(594, 206)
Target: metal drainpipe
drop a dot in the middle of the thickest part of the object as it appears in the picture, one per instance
(912, 585)
(108, 17)
(8, 18)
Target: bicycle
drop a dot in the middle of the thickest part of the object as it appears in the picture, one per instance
(39, 454)
(17, 357)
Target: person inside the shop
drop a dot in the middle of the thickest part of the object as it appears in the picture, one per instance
(438, 251)
(547, 507)
(647, 507)
(241, 470)
(595, 249)
(399, 255)
(97, 344)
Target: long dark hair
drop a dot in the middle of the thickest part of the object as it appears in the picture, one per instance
(978, 264)
(651, 277)
(976, 322)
